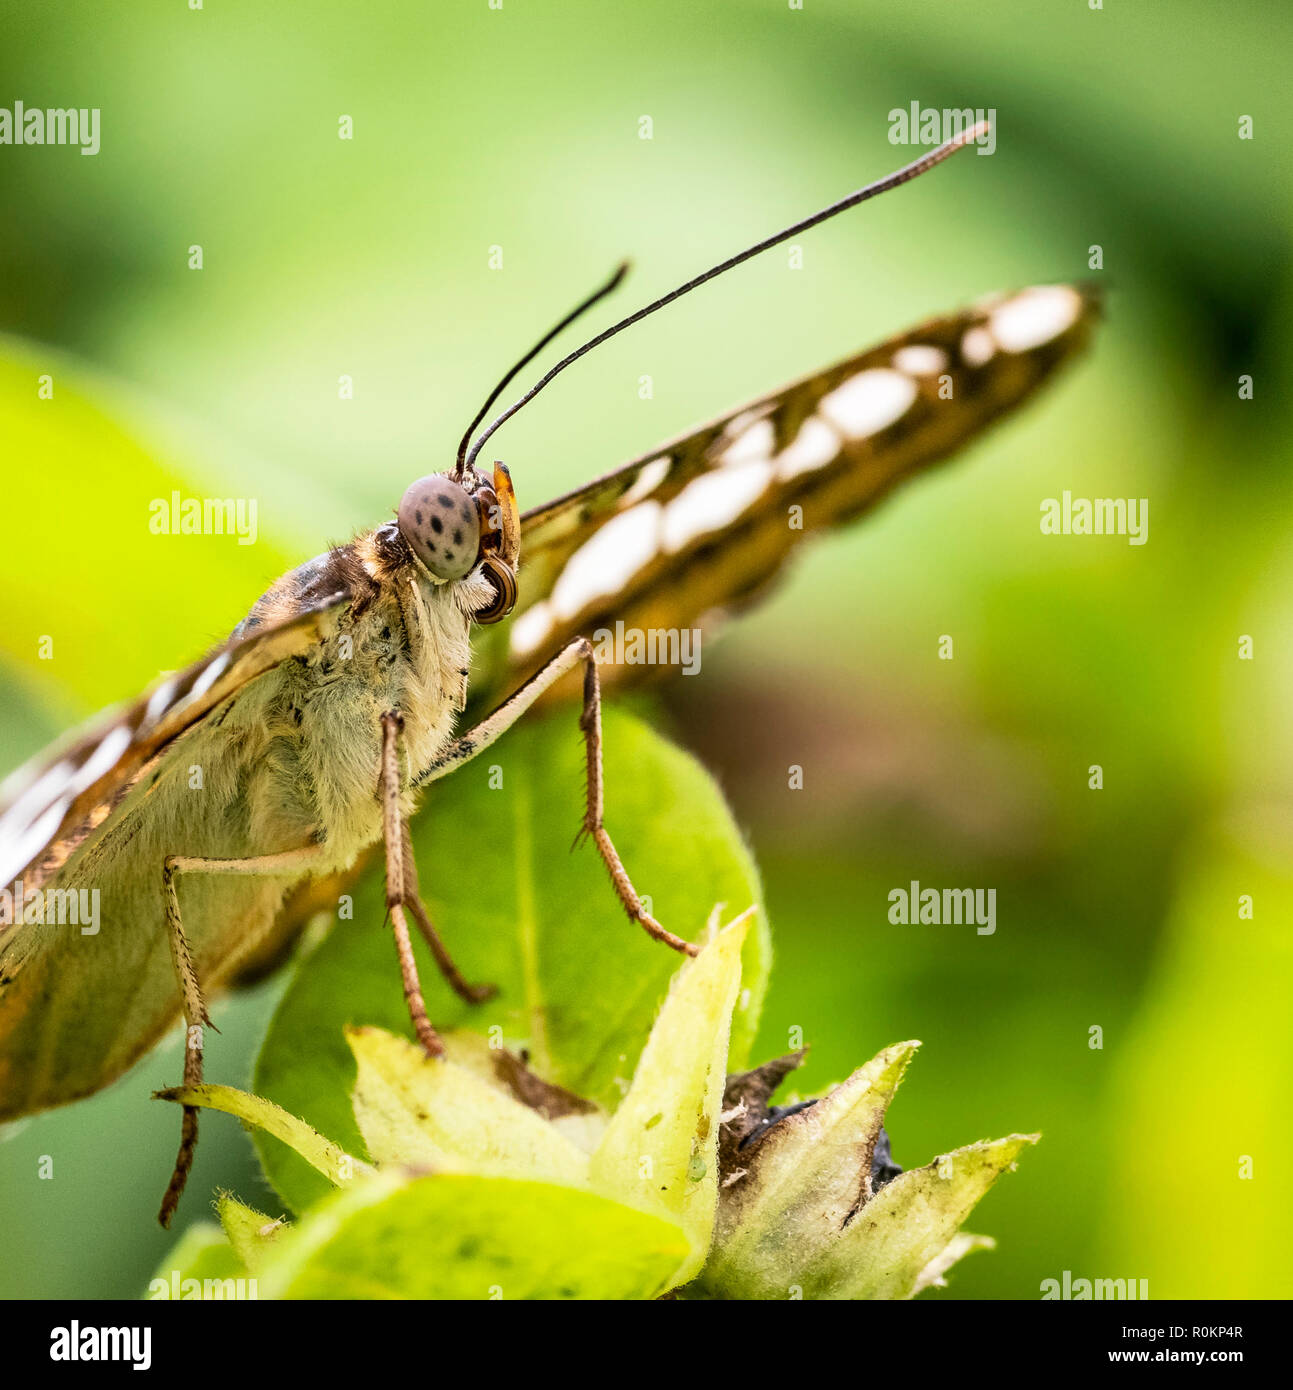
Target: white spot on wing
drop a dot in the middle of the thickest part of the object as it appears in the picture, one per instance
(738, 424)
(868, 402)
(1035, 316)
(208, 678)
(713, 500)
(753, 446)
(114, 744)
(159, 700)
(35, 798)
(920, 359)
(814, 446)
(530, 628)
(608, 559)
(16, 853)
(650, 478)
(977, 346)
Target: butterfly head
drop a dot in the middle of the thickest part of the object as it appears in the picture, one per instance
(458, 523)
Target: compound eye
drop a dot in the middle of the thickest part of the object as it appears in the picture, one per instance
(439, 520)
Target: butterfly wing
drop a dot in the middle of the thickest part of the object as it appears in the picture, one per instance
(677, 538)
(91, 826)
(50, 805)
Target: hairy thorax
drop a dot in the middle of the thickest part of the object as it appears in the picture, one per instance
(311, 738)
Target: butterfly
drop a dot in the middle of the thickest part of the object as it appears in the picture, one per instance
(335, 702)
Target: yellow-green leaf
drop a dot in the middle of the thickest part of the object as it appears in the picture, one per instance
(451, 1236)
(799, 1216)
(805, 1178)
(251, 1233)
(909, 1224)
(961, 1245)
(263, 1115)
(202, 1265)
(422, 1111)
(660, 1151)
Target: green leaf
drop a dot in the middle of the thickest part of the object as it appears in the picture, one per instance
(431, 1112)
(450, 1236)
(579, 986)
(264, 1117)
(660, 1151)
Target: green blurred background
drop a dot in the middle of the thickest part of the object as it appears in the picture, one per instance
(519, 128)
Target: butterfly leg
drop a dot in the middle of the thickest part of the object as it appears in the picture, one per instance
(196, 1019)
(476, 740)
(396, 837)
(473, 994)
(409, 895)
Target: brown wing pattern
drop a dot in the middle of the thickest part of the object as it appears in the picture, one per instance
(682, 535)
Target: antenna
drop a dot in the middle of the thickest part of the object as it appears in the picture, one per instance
(862, 195)
(612, 284)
